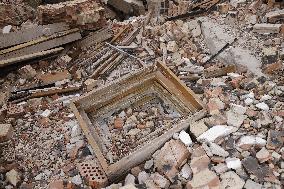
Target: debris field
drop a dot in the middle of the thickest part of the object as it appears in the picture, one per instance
(141, 94)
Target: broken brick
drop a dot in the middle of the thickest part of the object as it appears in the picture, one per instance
(199, 160)
(271, 68)
(93, 174)
(118, 123)
(90, 84)
(27, 72)
(171, 156)
(15, 111)
(49, 78)
(223, 8)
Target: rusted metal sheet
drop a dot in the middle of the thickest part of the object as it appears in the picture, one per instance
(135, 89)
(40, 44)
(25, 35)
(30, 56)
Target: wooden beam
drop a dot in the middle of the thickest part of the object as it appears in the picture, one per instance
(41, 44)
(25, 35)
(30, 56)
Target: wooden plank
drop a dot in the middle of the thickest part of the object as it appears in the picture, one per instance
(39, 40)
(220, 71)
(25, 35)
(120, 33)
(29, 56)
(95, 37)
(46, 92)
(187, 92)
(40, 45)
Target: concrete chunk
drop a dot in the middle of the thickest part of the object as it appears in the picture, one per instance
(231, 180)
(246, 142)
(274, 16)
(215, 132)
(13, 177)
(6, 131)
(185, 138)
(198, 128)
(204, 179)
(233, 163)
(216, 37)
(251, 184)
(267, 28)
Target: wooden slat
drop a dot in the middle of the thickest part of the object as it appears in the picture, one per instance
(39, 40)
(25, 35)
(29, 56)
(95, 37)
(40, 45)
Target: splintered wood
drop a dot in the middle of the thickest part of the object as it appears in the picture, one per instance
(107, 57)
(152, 84)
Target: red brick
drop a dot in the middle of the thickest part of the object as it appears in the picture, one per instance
(56, 185)
(93, 174)
(15, 111)
(170, 158)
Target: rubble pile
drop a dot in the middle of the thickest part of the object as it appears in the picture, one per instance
(129, 127)
(226, 57)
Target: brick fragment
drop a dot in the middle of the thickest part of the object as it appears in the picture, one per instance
(223, 8)
(15, 111)
(53, 77)
(90, 84)
(271, 68)
(11, 13)
(27, 72)
(93, 174)
(170, 158)
(199, 160)
(118, 123)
